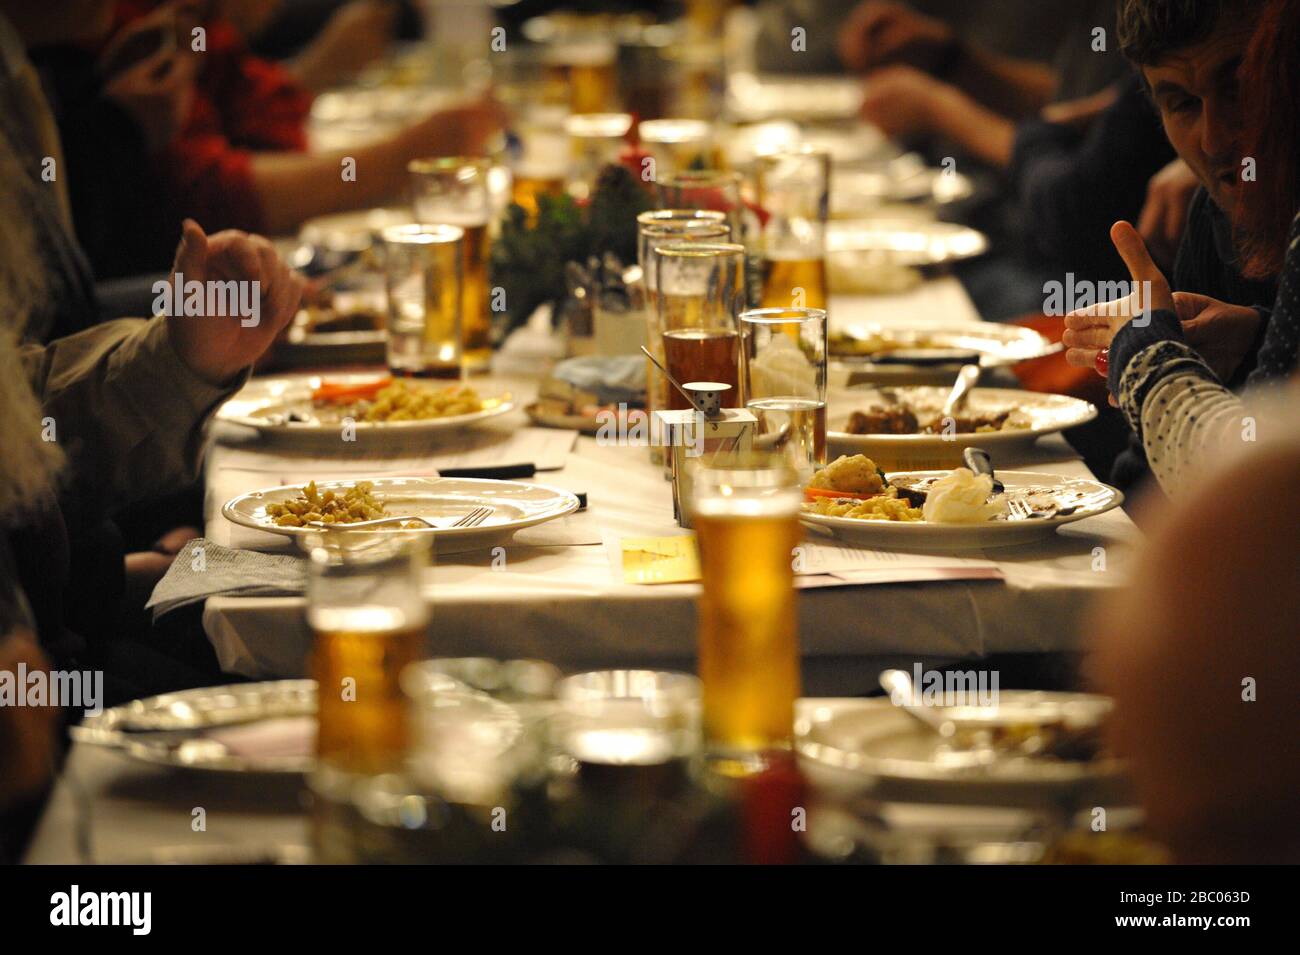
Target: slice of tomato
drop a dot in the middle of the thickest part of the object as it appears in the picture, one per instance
(340, 392)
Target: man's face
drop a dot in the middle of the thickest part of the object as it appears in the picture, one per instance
(1196, 92)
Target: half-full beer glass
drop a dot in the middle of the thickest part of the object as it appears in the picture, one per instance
(454, 191)
(700, 291)
(794, 193)
(746, 516)
(422, 277)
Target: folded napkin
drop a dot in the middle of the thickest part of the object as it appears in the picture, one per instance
(203, 569)
(620, 378)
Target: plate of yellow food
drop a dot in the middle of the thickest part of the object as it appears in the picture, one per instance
(904, 428)
(853, 499)
(1024, 748)
(460, 513)
(361, 402)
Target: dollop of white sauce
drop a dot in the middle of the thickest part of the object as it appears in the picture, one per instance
(962, 497)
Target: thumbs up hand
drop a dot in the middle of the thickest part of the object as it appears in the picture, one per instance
(1089, 330)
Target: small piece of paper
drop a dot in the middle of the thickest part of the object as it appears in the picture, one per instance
(660, 560)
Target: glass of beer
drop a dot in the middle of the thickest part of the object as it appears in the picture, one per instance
(454, 191)
(541, 165)
(654, 228)
(707, 189)
(678, 145)
(793, 190)
(595, 140)
(368, 621)
(700, 291)
(746, 517)
(783, 354)
(423, 265)
(587, 65)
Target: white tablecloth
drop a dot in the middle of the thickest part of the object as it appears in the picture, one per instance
(563, 604)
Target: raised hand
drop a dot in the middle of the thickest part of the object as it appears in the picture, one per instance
(1089, 330)
(217, 346)
(880, 32)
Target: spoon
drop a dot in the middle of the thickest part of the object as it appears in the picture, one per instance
(957, 398)
(902, 693)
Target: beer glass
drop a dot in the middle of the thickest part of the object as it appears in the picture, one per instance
(422, 277)
(541, 165)
(454, 191)
(707, 189)
(793, 190)
(368, 621)
(678, 145)
(595, 140)
(700, 291)
(587, 65)
(783, 352)
(746, 517)
(655, 228)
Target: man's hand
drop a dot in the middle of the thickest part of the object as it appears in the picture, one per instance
(217, 347)
(880, 32)
(1089, 330)
(1220, 332)
(1164, 215)
(902, 101)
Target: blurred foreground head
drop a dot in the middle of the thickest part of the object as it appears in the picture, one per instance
(28, 463)
(1201, 654)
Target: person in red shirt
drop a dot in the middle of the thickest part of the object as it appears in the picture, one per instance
(240, 161)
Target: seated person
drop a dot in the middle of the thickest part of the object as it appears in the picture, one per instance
(1174, 397)
(1191, 66)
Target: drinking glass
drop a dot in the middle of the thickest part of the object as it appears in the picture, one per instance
(707, 189)
(454, 191)
(793, 190)
(655, 228)
(746, 518)
(368, 621)
(595, 140)
(422, 269)
(783, 353)
(700, 291)
(678, 145)
(541, 165)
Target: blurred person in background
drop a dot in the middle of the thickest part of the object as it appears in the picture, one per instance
(217, 134)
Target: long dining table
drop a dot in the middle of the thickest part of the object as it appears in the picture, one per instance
(556, 593)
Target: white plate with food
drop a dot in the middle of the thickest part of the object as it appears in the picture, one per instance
(445, 504)
(903, 428)
(857, 502)
(371, 403)
(929, 353)
(904, 178)
(904, 241)
(1027, 748)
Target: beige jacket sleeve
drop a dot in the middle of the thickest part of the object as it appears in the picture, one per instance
(127, 411)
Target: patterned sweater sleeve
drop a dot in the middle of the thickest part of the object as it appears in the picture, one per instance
(1176, 406)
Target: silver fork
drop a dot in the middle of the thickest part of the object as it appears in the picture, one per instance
(1019, 509)
(471, 519)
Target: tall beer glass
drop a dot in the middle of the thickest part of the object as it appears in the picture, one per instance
(422, 278)
(707, 189)
(794, 192)
(746, 516)
(454, 191)
(783, 352)
(595, 140)
(700, 291)
(369, 621)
